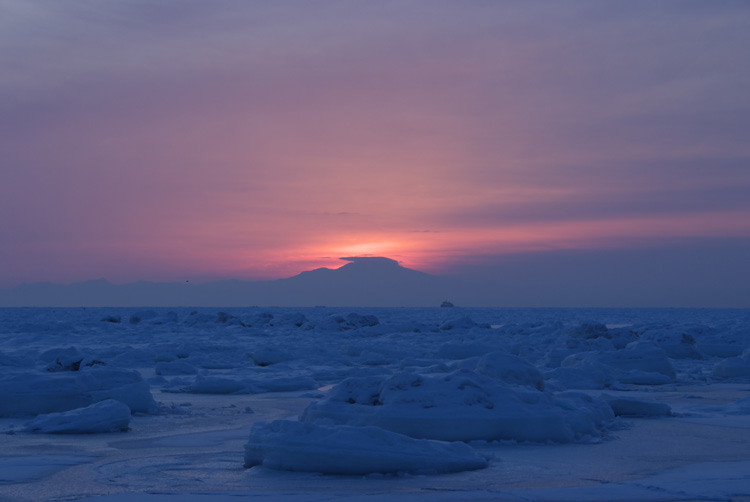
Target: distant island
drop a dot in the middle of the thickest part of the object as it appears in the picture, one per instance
(363, 281)
(579, 281)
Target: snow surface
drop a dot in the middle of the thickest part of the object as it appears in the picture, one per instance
(374, 404)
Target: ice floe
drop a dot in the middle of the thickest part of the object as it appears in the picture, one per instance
(342, 449)
(461, 405)
(105, 416)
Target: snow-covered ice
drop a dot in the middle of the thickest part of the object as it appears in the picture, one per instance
(35, 391)
(105, 416)
(374, 404)
(295, 446)
(460, 405)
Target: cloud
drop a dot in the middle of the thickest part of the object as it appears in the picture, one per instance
(144, 140)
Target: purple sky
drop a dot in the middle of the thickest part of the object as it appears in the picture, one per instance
(205, 140)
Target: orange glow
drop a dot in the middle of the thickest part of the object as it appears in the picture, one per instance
(435, 251)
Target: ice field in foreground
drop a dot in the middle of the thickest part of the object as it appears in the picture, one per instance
(374, 404)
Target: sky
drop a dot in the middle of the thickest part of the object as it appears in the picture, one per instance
(197, 140)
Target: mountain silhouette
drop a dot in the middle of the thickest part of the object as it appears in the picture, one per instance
(364, 281)
(371, 281)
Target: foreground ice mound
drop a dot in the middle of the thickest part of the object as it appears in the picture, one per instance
(105, 416)
(460, 406)
(27, 393)
(295, 446)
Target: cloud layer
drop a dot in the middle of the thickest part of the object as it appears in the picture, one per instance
(233, 139)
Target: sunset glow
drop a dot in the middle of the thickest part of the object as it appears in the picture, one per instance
(258, 140)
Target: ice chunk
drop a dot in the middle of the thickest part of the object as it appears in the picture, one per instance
(69, 359)
(510, 369)
(628, 406)
(336, 322)
(588, 330)
(580, 377)
(228, 319)
(105, 416)
(733, 367)
(271, 354)
(142, 315)
(361, 321)
(254, 384)
(460, 350)
(643, 356)
(677, 344)
(291, 319)
(295, 446)
(24, 394)
(260, 320)
(220, 385)
(459, 406)
(168, 318)
(718, 348)
(196, 317)
(739, 407)
(640, 363)
(638, 377)
(177, 367)
(461, 323)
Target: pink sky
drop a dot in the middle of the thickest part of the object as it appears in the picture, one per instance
(206, 140)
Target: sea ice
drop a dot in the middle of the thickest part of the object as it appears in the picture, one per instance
(535, 377)
(732, 368)
(511, 370)
(462, 405)
(627, 406)
(105, 416)
(31, 393)
(296, 446)
(641, 362)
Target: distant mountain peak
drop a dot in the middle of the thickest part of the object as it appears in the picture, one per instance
(363, 281)
(379, 261)
(366, 268)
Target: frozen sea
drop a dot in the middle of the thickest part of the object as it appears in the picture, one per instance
(337, 404)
